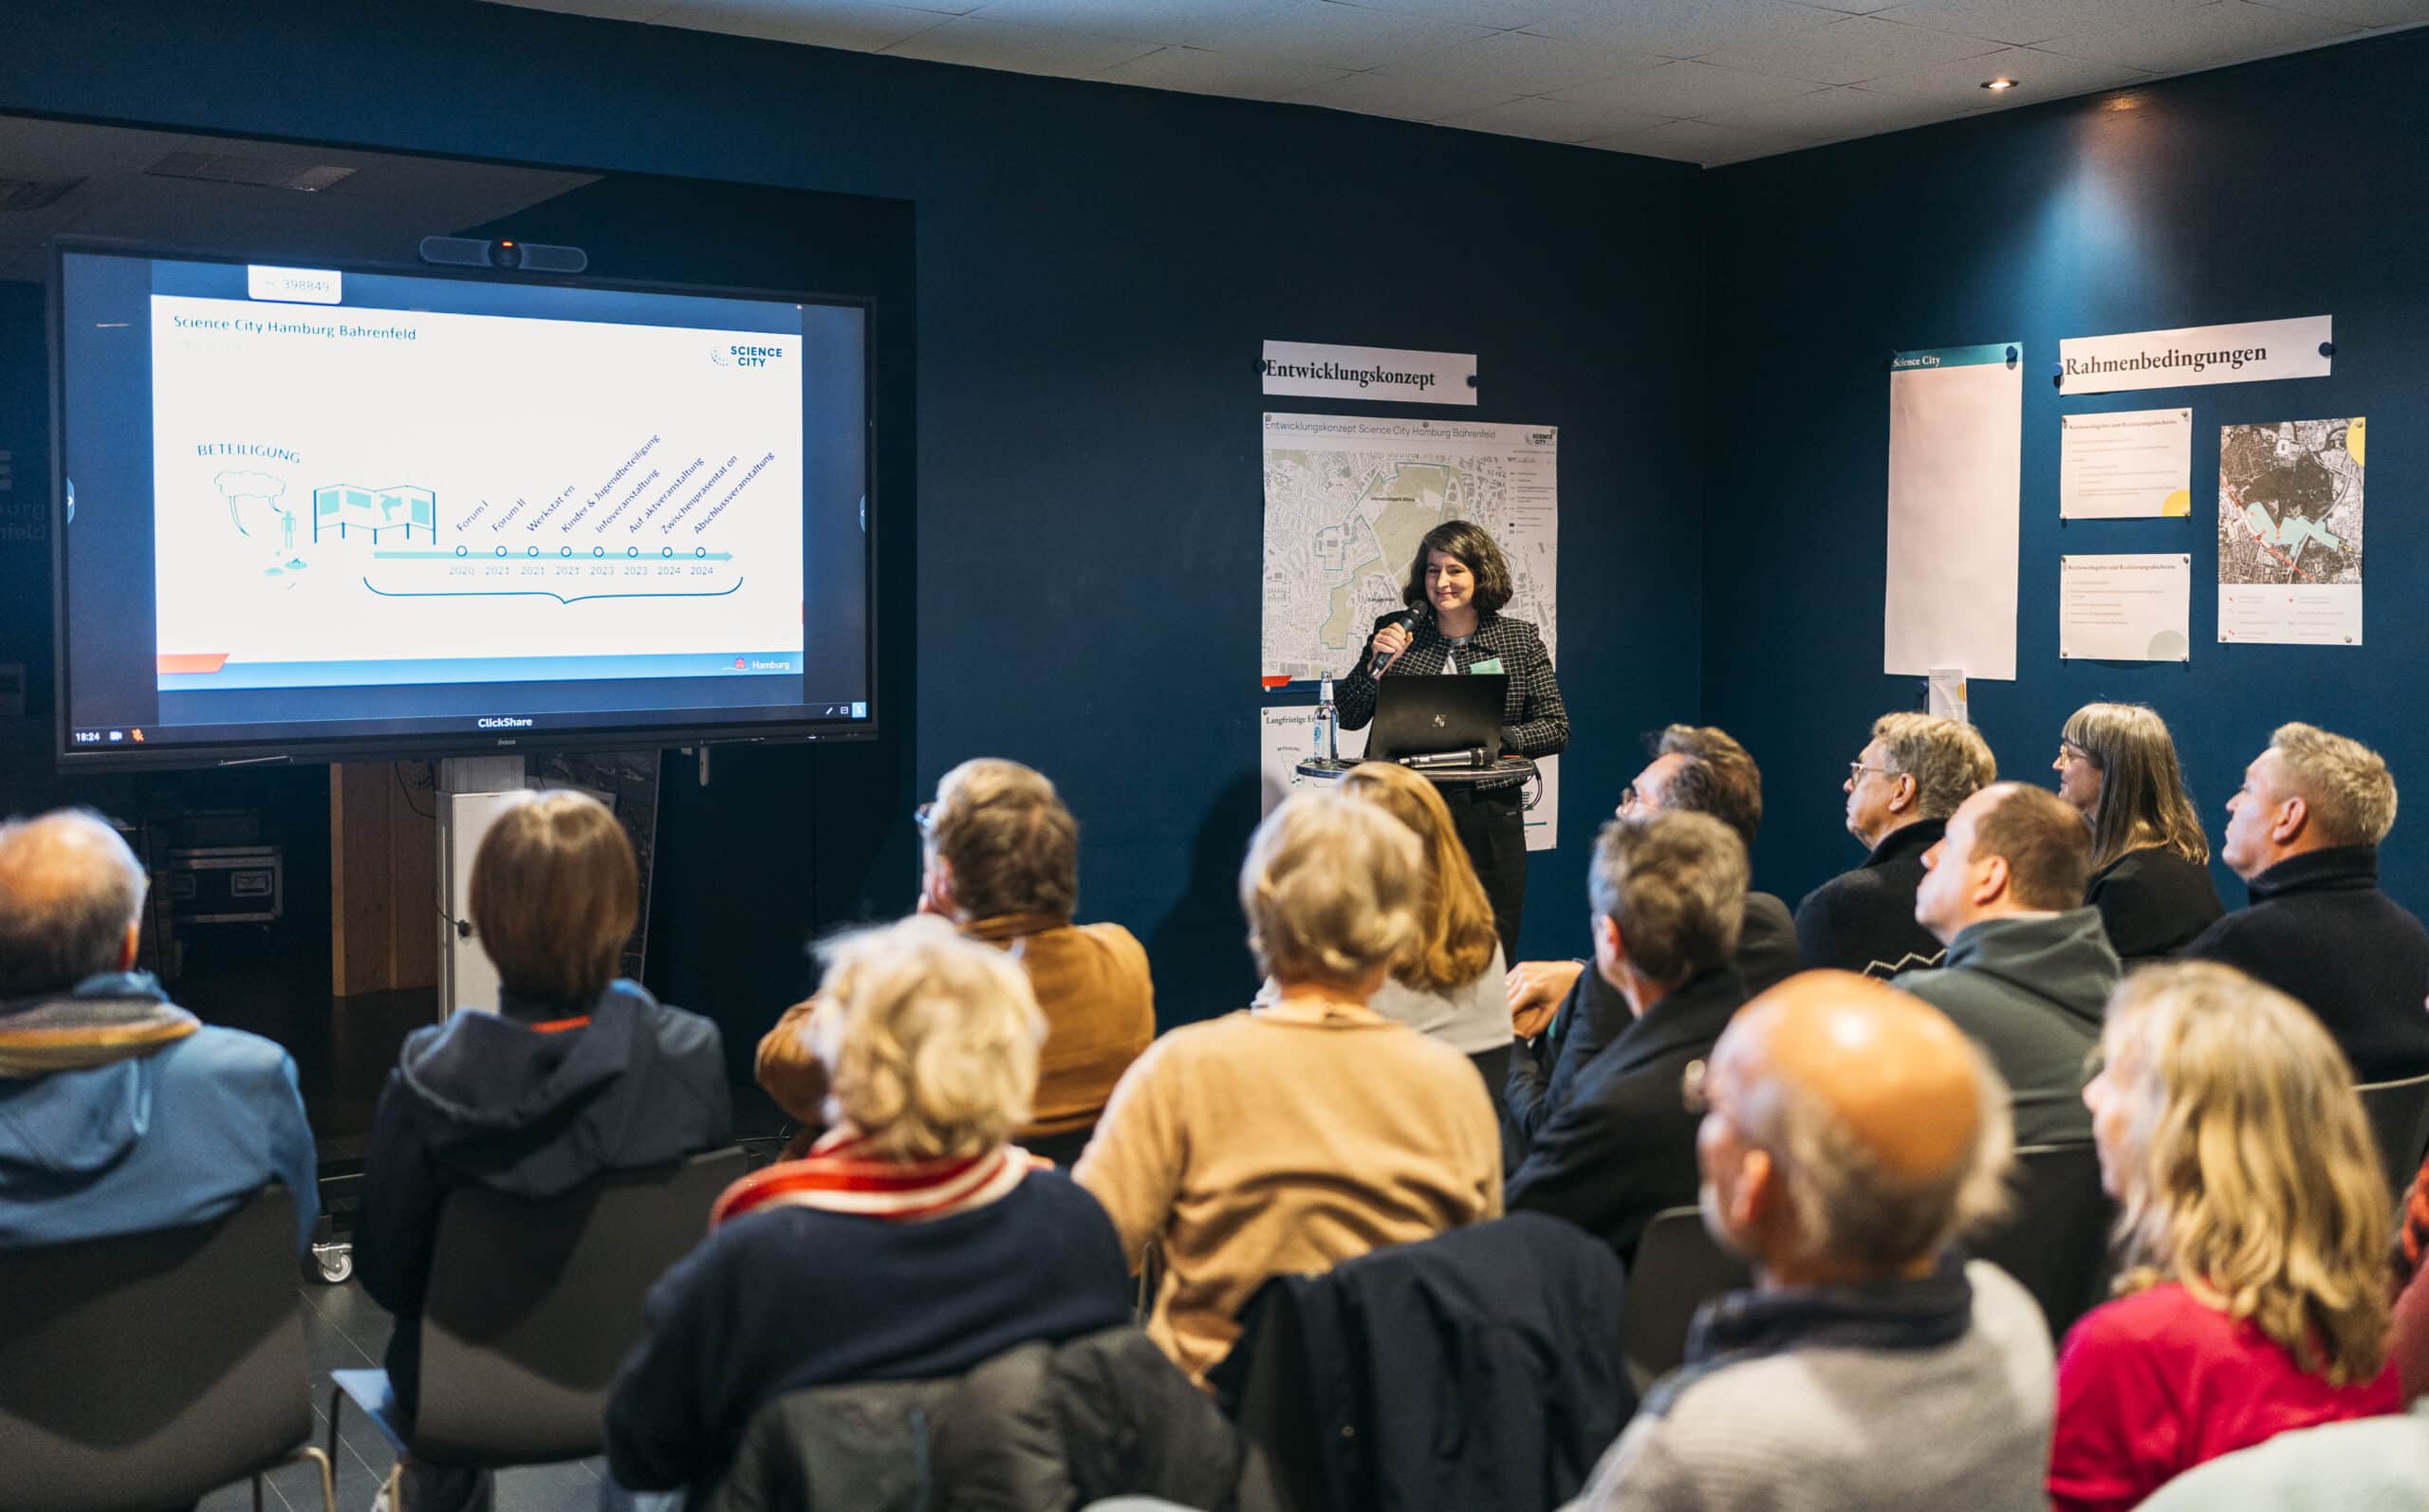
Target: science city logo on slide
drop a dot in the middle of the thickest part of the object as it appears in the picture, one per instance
(740, 356)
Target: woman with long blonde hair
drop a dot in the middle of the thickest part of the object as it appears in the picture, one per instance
(2150, 861)
(2252, 1239)
(1448, 985)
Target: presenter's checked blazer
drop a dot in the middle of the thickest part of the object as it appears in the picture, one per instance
(1534, 722)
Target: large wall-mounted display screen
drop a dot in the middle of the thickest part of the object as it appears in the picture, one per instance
(314, 511)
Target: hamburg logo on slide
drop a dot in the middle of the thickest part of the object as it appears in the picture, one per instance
(717, 355)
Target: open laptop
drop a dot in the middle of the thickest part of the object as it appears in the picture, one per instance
(1425, 717)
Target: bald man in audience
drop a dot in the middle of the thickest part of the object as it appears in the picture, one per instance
(1850, 1136)
(2028, 968)
(119, 1112)
(2303, 832)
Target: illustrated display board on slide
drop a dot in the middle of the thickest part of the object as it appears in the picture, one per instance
(1955, 447)
(2290, 532)
(1348, 498)
(2125, 608)
(374, 506)
(2130, 464)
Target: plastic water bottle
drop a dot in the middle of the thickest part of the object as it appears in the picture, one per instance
(1327, 731)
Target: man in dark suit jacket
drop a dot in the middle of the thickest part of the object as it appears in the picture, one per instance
(1911, 776)
(1669, 891)
(2303, 833)
(1697, 769)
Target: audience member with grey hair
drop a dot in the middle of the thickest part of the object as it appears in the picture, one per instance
(119, 1112)
(1849, 1135)
(1669, 895)
(1902, 789)
(1309, 1129)
(2303, 832)
(2029, 966)
(1695, 769)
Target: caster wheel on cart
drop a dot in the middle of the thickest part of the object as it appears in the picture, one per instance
(331, 1263)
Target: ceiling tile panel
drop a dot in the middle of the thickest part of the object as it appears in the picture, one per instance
(1162, 21)
(1683, 28)
(2362, 12)
(1340, 36)
(1676, 89)
(1374, 94)
(1501, 13)
(1554, 119)
(1706, 81)
(1850, 52)
(2026, 21)
(1197, 71)
(978, 42)
(1518, 64)
(2204, 37)
(2039, 75)
(1830, 115)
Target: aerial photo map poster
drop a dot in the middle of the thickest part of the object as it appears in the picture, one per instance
(2290, 532)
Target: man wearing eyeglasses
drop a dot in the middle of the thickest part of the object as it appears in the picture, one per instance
(1669, 897)
(1000, 858)
(1901, 791)
(1695, 769)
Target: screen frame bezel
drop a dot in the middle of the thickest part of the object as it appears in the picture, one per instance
(69, 757)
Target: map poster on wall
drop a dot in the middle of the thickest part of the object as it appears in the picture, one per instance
(1347, 498)
(2290, 532)
(1286, 737)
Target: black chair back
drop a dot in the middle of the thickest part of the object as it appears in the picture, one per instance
(2400, 1118)
(532, 1305)
(2056, 1240)
(1678, 1268)
(145, 1370)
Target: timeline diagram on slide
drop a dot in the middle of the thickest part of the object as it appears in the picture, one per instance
(350, 495)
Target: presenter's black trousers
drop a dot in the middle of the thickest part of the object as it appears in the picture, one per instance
(1492, 826)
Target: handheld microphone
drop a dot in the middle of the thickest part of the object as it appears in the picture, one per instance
(1409, 622)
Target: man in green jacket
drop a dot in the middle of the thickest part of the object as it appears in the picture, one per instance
(2028, 968)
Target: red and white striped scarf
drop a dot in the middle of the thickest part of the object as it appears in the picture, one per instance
(839, 1176)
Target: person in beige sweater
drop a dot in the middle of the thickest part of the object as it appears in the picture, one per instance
(1309, 1130)
(1001, 859)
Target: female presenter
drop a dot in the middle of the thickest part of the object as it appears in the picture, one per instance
(1454, 592)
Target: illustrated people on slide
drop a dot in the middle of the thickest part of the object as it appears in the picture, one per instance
(1456, 590)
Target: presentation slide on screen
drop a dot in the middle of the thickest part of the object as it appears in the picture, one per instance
(353, 496)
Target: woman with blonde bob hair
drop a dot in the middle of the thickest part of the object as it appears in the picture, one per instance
(2253, 1235)
(1309, 1129)
(914, 1240)
(1448, 985)
(2150, 871)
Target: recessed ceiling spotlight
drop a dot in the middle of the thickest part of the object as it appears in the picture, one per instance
(1998, 86)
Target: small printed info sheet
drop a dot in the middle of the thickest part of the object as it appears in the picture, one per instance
(2133, 463)
(2125, 608)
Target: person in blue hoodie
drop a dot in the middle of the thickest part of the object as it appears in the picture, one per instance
(577, 1072)
(120, 1112)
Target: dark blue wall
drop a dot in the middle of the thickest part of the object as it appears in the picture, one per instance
(2292, 187)
(1095, 269)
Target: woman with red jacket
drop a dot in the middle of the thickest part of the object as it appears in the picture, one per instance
(2253, 1232)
